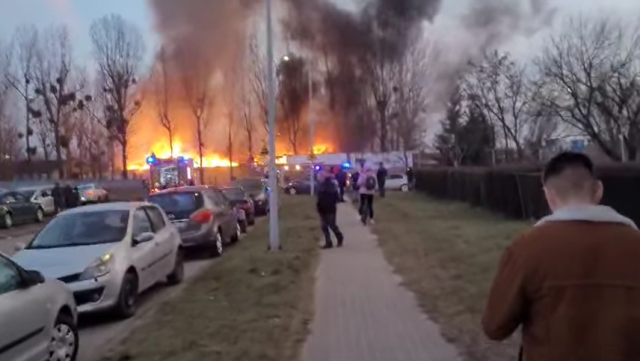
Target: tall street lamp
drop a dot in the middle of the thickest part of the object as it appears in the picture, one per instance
(274, 231)
(311, 120)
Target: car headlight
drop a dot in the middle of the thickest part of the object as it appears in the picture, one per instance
(98, 268)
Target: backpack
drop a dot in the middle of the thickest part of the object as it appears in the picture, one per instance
(370, 183)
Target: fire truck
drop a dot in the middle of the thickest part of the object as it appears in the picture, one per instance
(166, 172)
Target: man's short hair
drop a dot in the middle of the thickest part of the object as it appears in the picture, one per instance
(569, 173)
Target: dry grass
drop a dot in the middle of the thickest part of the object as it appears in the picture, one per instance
(248, 306)
(447, 254)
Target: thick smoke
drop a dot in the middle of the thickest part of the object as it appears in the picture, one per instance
(385, 29)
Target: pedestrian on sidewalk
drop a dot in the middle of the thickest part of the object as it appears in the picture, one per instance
(381, 176)
(341, 177)
(572, 282)
(327, 205)
(367, 185)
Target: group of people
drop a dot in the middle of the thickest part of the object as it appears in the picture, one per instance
(65, 197)
(571, 283)
(331, 191)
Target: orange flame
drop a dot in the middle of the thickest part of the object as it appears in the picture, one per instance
(162, 150)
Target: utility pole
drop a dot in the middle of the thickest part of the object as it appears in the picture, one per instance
(274, 231)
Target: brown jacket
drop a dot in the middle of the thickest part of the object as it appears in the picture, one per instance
(574, 287)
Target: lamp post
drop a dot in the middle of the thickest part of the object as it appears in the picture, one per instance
(311, 120)
(274, 231)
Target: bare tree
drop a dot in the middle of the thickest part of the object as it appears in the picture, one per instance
(194, 73)
(503, 91)
(293, 95)
(9, 142)
(25, 43)
(379, 68)
(258, 81)
(590, 72)
(162, 95)
(57, 89)
(118, 49)
(413, 76)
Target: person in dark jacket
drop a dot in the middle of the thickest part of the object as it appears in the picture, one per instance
(381, 176)
(410, 177)
(69, 197)
(327, 205)
(58, 199)
(341, 177)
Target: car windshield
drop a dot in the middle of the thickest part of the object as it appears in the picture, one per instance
(27, 192)
(85, 187)
(82, 229)
(234, 194)
(175, 202)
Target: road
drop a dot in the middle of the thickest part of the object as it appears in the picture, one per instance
(99, 333)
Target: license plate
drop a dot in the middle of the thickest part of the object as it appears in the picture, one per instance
(241, 215)
(180, 225)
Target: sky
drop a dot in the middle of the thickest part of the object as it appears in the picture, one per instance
(78, 15)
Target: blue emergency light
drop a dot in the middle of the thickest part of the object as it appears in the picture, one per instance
(151, 159)
(346, 165)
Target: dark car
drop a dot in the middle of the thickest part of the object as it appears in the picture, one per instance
(299, 186)
(258, 191)
(202, 215)
(15, 208)
(241, 200)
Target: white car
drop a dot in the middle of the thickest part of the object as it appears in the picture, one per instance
(42, 195)
(92, 193)
(397, 182)
(38, 319)
(107, 254)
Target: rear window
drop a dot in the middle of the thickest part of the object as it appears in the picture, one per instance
(175, 202)
(234, 193)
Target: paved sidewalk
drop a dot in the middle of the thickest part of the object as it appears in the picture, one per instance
(362, 313)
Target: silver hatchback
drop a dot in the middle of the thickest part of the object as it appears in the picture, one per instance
(38, 319)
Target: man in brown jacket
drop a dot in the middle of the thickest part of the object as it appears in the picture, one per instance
(572, 281)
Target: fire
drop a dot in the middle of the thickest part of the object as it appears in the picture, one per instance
(162, 150)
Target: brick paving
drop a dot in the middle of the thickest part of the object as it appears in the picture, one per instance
(362, 313)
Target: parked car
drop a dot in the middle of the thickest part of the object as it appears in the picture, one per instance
(241, 200)
(92, 193)
(299, 186)
(397, 182)
(38, 317)
(107, 254)
(202, 215)
(16, 208)
(258, 191)
(41, 195)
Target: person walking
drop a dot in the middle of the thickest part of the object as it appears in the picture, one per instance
(381, 176)
(367, 184)
(572, 282)
(69, 197)
(327, 206)
(410, 177)
(341, 178)
(58, 199)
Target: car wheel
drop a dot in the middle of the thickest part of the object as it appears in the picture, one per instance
(177, 275)
(251, 221)
(218, 245)
(404, 188)
(7, 221)
(63, 345)
(292, 191)
(238, 233)
(39, 215)
(128, 298)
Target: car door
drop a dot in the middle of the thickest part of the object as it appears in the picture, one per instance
(167, 239)
(47, 201)
(145, 255)
(222, 211)
(24, 326)
(20, 206)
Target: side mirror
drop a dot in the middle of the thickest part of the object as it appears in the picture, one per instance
(19, 247)
(143, 237)
(33, 278)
